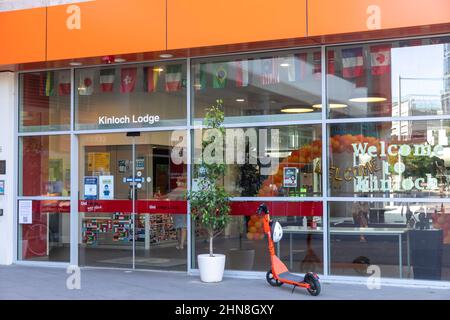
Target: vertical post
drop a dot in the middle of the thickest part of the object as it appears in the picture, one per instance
(189, 238)
(325, 228)
(133, 197)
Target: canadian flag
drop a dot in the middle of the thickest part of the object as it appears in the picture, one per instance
(380, 59)
(128, 80)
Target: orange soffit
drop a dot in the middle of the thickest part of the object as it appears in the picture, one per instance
(22, 35)
(106, 27)
(345, 16)
(199, 23)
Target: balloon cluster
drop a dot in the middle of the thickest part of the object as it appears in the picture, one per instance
(255, 228)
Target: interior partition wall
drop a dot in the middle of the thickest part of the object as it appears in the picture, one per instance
(380, 109)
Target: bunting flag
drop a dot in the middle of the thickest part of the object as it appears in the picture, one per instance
(287, 70)
(151, 76)
(220, 75)
(199, 76)
(107, 77)
(331, 67)
(86, 82)
(380, 59)
(128, 80)
(173, 78)
(302, 65)
(317, 64)
(64, 82)
(270, 72)
(47, 84)
(241, 71)
(352, 63)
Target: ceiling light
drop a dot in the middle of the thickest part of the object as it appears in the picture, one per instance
(75, 64)
(158, 69)
(331, 106)
(166, 55)
(297, 110)
(368, 99)
(240, 100)
(284, 65)
(119, 60)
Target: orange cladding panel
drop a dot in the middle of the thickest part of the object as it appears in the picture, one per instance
(106, 27)
(22, 35)
(197, 23)
(344, 16)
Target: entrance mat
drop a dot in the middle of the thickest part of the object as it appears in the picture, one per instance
(151, 262)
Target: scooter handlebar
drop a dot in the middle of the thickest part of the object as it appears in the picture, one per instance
(262, 209)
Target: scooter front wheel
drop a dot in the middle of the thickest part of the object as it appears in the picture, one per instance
(272, 281)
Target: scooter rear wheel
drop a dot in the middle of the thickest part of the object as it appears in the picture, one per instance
(272, 281)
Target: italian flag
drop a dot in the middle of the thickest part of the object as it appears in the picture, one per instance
(64, 82)
(173, 78)
(107, 80)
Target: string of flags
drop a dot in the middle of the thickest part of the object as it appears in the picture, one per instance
(351, 63)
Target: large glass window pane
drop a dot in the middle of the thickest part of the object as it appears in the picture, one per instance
(45, 101)
(131, 96)
(396, 240)
(401, 78)
(44, 166)
(45, 234)
(280, 161)
(245, 245)
(259, 87)
(390, 159)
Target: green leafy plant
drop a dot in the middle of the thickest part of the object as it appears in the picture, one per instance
(210, 204)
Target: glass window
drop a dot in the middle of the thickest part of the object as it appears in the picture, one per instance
(402, 78)
(390, 159)
(268, 161)
(44, 166)
(245, 245)
(131, 96)
(45, 101)
(395, 239)
(259, 87)
(45, 236)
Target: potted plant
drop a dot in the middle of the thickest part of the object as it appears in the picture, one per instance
(210, 203)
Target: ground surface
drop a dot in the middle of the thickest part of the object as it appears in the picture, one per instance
(19, 282)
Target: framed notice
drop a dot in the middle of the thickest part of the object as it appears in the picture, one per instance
(90, 188)
(99, 161)
(290, 177)
(25, 211)
(106, 184)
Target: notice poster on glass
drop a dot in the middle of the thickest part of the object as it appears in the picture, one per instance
(90, 188)
(106, 184)
(289, 177)
(25, 211)
(99, 161)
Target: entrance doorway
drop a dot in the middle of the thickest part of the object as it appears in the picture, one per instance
(132, 207)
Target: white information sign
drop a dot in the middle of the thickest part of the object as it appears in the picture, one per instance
(25, 211)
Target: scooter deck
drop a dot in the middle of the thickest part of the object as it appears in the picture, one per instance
(291, 277)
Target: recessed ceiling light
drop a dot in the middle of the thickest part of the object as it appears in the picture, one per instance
(119, 60)
(297, 110)
(166, 55)
(75, 64)
(331, 106)
(368, 99)
(284, 65)
(240, 100)
(158, 69)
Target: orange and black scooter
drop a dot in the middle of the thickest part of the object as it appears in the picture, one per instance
(279, 273)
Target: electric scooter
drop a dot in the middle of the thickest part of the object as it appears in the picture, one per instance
(279, 273)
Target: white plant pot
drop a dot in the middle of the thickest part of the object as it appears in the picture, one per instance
(211, 268)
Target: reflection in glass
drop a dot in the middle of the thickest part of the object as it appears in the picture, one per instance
(401, 78)
(259, 87)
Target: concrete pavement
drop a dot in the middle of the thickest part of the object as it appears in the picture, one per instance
(23, 282)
